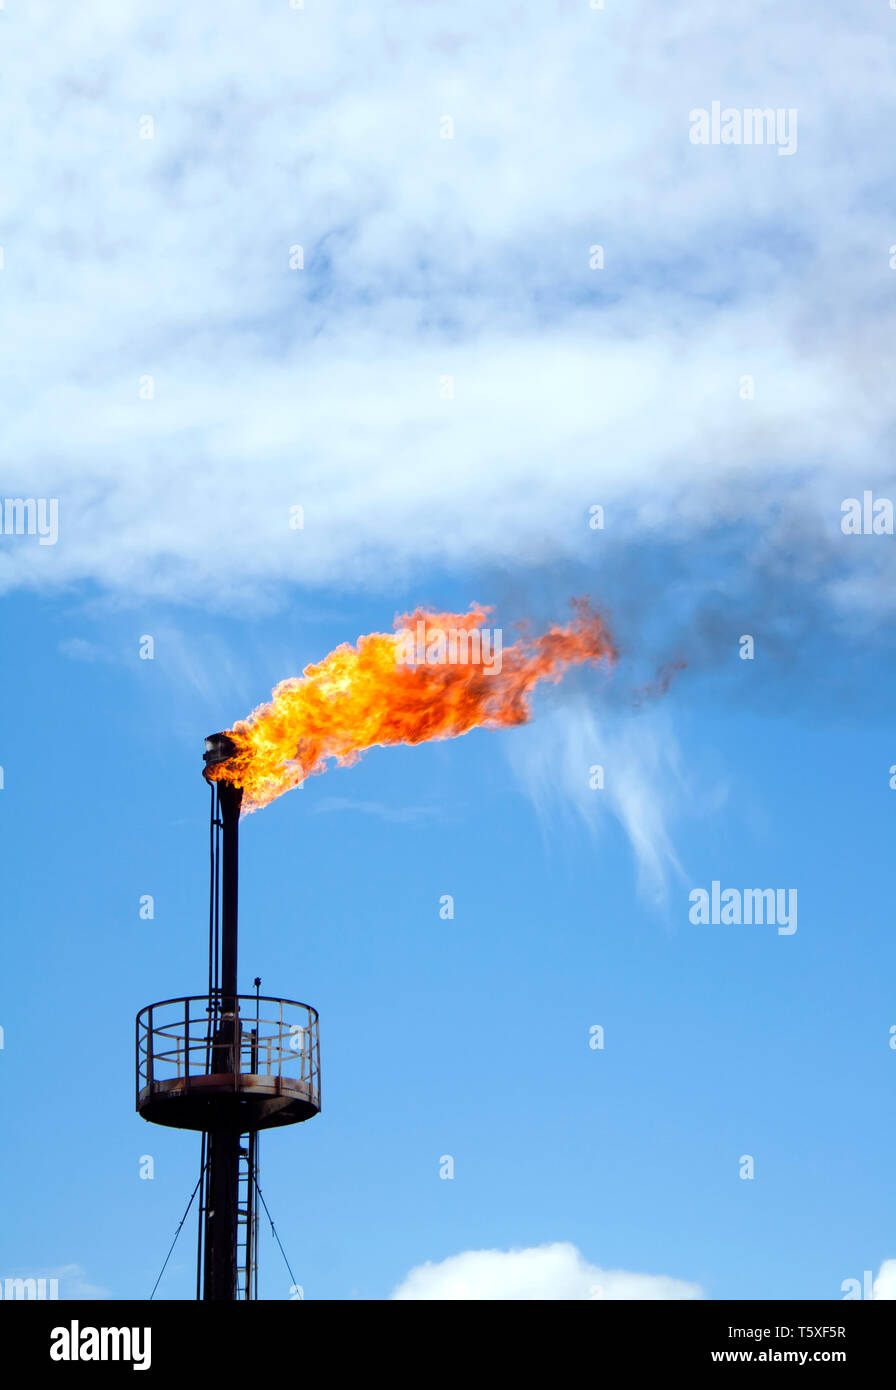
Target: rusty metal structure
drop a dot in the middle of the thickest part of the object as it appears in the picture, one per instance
(228, 1065)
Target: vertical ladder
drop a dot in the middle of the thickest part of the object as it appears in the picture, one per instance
(246, 1214)
(247, 1220)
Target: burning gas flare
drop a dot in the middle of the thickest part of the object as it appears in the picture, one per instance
(421, 682)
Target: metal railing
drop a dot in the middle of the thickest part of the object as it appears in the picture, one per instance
(180, 1039)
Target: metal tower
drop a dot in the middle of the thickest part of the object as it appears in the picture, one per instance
(227, 1064)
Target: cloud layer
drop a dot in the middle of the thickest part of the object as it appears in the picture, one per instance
(425, 259)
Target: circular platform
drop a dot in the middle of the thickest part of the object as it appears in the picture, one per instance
(201, 1068)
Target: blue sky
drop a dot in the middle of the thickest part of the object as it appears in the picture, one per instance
(466, 260)
(466, 1037)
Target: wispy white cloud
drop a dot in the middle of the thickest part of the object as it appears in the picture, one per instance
(74, 1283)
(71, 1282)
(640, 764)
(79, 649)
(402, 814)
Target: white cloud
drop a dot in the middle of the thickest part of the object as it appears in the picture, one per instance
(557, 1271)
(884, 1286)
(72, 1282)
(425, 257)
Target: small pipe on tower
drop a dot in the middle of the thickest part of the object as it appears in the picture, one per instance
(229, 800)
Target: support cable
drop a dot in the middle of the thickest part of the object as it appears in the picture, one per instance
(176, 1234)
(274, 1232)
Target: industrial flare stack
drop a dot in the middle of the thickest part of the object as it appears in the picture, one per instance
(228, 1064)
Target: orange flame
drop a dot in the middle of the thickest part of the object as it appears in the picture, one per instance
(401, 687)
